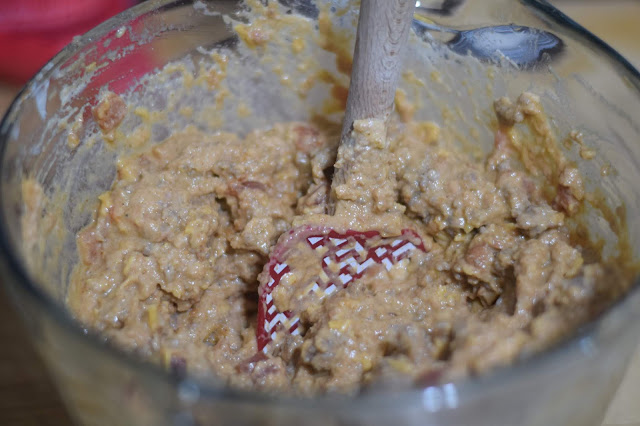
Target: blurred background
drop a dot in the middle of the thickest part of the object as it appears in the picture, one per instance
(33, 31)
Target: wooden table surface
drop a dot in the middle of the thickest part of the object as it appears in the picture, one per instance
(27, 396)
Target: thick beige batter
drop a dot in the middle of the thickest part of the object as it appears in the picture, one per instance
(169, 266)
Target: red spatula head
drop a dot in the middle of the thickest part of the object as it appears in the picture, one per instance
(311, 263)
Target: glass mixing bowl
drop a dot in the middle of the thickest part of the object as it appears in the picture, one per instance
(586, 87)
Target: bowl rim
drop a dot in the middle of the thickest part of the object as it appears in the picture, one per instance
(465, 389)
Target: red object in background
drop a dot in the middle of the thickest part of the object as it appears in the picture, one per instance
(33, 31)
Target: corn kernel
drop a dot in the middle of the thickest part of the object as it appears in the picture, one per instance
(297, 45)
(366, 364)
(105, 204)
(401, 365)
(339, 325)
(152, 317)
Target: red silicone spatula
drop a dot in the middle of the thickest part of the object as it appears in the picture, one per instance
(365, 232)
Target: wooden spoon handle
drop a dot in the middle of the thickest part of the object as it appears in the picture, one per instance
(383, 28)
